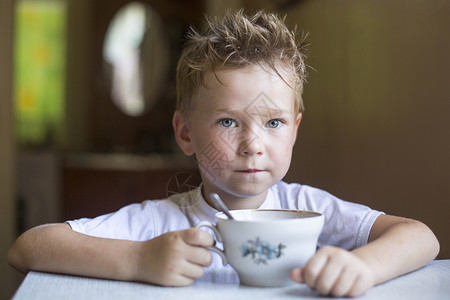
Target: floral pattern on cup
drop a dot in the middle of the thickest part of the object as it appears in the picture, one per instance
(261, 251)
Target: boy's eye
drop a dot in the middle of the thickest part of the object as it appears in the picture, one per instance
(227, 123)
(273, 123)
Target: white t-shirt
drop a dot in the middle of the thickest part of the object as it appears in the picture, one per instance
(347, 225)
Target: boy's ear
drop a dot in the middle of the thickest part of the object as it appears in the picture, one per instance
(182, 133)
(297, 123)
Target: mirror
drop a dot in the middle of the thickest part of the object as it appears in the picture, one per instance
(136, 52)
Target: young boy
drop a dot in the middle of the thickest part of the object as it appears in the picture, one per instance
(239, 108)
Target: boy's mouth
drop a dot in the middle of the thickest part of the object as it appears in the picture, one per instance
(250, 171)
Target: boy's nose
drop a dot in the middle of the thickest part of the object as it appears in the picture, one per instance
(252, 145)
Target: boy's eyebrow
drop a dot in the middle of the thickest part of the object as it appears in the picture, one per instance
(222, 110)
(226, 110)
(260, 110)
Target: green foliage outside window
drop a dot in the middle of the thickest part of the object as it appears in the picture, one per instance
(39, 71)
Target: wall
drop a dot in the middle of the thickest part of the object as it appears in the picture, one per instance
(7, 182)
(376, 126)
(78, 69)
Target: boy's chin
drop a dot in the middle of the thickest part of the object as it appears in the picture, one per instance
(236, 188)
(246, 190)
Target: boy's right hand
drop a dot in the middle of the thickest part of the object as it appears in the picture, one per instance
(175, 258)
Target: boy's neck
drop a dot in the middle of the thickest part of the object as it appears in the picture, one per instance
(233, 202)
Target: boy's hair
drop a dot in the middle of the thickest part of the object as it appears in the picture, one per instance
(237, 41)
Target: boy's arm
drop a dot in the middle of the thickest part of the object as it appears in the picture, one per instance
(396, 246)
(174, 258)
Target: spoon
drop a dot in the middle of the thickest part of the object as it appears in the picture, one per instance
(221, 205)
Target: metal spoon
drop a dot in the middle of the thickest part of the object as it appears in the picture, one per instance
(221, 205)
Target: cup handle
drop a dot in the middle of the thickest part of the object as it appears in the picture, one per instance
(219, 239)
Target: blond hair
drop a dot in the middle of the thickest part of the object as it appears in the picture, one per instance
(238, 41)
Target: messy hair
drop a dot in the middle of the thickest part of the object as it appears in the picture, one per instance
(237, 41)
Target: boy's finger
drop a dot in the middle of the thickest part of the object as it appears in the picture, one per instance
(314, 268)
(344, 284)
(192, 270)
(329, 276)
(362, 283)
(197, 237)
(199, 256)
(181, 280)
(297, 275)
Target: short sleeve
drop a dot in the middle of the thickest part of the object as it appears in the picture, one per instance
(137, 222)
(347, 225)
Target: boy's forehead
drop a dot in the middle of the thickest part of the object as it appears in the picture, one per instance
(250, 88)
(245, 79)
(260, 105)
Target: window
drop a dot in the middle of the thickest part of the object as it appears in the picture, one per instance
(39, 71)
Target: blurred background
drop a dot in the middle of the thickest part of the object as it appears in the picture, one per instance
(87, 91)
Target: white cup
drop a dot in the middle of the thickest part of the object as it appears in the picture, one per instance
(263, 246)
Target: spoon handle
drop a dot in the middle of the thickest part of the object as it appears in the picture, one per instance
(221, 205)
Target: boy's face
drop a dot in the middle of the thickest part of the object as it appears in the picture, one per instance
(242, 132)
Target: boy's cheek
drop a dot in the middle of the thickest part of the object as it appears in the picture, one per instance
(213, 162)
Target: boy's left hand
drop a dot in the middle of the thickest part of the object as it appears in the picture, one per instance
(337, 272)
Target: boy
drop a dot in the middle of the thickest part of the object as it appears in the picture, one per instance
(239, 106)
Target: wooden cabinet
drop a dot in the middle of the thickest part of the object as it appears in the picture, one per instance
(96, 184)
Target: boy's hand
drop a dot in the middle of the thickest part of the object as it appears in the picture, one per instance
(175, 258)
(337, 272)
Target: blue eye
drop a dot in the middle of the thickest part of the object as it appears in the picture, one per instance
(227, 123)
(273, 123)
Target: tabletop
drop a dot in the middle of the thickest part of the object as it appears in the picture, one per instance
(429, 282)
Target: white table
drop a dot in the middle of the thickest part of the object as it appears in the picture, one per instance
(430, 282)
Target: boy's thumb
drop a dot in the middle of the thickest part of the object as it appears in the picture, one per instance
(297, 275)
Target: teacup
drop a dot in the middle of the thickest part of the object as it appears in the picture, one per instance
(263, 246)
